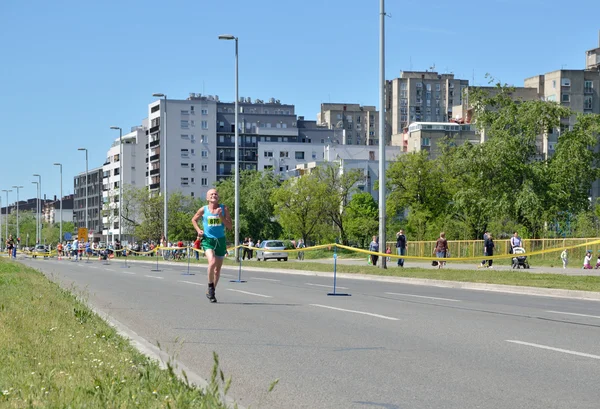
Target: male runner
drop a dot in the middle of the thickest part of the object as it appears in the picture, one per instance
(215, 219)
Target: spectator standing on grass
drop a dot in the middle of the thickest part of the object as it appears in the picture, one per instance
(485, 235)
(564, 257)
(587, 261)
(515, 241)
(441, 249)
(489, 249)
(197, 247)
(400, 246)
(374, 246)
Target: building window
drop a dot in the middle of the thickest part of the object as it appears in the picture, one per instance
(204, 168)
(193, 180)
(426, 142)
(565, 98)
(283, 154)
(192, 166)
(192, 123)
(184, 181)
(185, 123)
(186, 137)
(205, 154)
(299, 155)
(203, 139)
(588, 87)
(185, 165)
(184, 112)
(184, 153)
(204, 181)
(587, 102)
(565, 82)
(204, 111)
(268, 154)
(438, 87)
(204, 124)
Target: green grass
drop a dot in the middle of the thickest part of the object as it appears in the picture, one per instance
(56, 353)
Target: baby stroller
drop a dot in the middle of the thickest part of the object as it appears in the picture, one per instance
(519, 259)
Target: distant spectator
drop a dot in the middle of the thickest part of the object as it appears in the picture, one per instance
(564, 257)
(441, 249)
(587, 261)
(374, 246)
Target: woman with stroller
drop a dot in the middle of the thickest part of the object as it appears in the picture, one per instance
(489, 249)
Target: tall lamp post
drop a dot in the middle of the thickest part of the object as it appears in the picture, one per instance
(382, 136)
(39, 229)
(18, 231)
(237, 152)
(120, 179)
(37, 195)
(61, 197)
(86, 190)
(6, 227)
(163, 170)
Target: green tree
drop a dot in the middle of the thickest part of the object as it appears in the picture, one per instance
(363, 218)
(339, 184)
(181, 210)
(299, 205)
(256, 209)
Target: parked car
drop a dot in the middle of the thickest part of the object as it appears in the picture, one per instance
(40, 250)
(271, 249)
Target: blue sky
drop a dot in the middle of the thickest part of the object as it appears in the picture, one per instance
(71, 69)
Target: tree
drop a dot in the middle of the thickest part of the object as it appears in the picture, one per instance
(256, 209)
(299, 205)
(181, 210)
(363, 218)
(339, 184)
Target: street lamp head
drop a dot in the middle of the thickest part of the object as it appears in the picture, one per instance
(226, 37)
(58, 164)
(159, 95)
(18, 187)
(82, 149)
(115, 127)
(35, 174)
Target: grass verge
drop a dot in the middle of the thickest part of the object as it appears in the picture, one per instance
(56, 353)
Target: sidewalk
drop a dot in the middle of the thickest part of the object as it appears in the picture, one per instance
(571, 270)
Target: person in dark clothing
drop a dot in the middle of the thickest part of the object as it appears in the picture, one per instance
(441, 249)
(489, 249)
(400, 246)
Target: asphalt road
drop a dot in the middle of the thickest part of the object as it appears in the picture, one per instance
(388, 345)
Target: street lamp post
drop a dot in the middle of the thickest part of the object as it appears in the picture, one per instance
(6, 227)
(86, 189)
(382, 136)
(163, 170)
(237, 152)
(120, 179)
(18, 232)
(39, 229)
(60, 238)
(37, 195)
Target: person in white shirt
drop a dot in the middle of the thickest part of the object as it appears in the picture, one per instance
(587, 261)
(564, 257)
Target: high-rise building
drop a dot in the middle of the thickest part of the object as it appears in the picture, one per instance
(354, 124)
(418, 96)
(88, 186)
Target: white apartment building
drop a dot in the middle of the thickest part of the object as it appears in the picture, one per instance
(292, 159)
(182, 140)
(133, 163)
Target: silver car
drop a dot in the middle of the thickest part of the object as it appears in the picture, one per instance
(271, 249)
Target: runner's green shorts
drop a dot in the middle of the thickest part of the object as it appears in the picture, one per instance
(219, 246)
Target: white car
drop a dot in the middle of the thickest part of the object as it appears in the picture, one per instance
(271, 249)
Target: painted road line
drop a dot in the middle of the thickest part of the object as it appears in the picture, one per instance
(160, 278)
(249, 293)
(226, 275)
(356, 312)
(189, 282)
(264, 279)
(565, 351)
(127, 272)
(326, 286)
(110, 269)
(423, 296)
(572, 313)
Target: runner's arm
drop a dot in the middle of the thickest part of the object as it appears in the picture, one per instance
(195, 219)
(226, 218)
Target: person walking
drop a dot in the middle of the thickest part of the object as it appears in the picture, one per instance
(300, 246)
(10, 244)
(441, 249)
(565, 258)
(489, 249)
(400, 246)
(215, 219)
(374, 246)
(515, 241)
(485, 235)
(197, 246)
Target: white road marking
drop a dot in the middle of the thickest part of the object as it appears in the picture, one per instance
(327, 286)
(226, 275)
(356, 312)
(189, 282)
(109, 269)
(572, 313)
(265, 279)
(127, 272)
(423, 296)
(566, 351)
(160, 278)
(249, 293)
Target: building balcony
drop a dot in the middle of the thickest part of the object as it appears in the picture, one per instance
(154, 172)
(154, 157)
(154, 129)
(154, 186)
(154, 143)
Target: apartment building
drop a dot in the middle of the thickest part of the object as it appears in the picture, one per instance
(355, 124)
(418, 96)
(130, 169)
(51, 209)
(88, 186)
(431, 137)
(182, 145)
